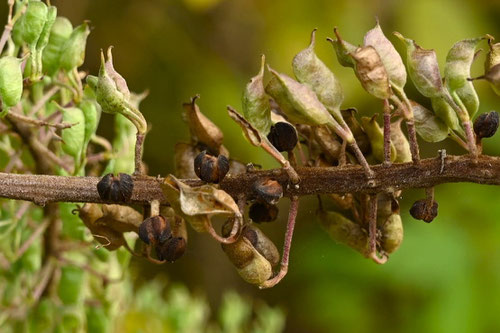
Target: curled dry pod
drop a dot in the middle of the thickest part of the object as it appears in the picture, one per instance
(302, 106)
(33, 22)
(73, 50)
(342, 49)
(202, 129)
(268, 190)
(486, 125)
(457, 71)
(376, 136)
(11, 82)
(327, 141)
(359, 134)
(493, 77)
(256, 107)
(429, 127)
(392, 233)
(371, 72)
(311, 71)
(122, 218)
(423, 68)
(344, 231)
(403, 152)
(420, 210)
(263, 212)
(283, 136)
(209, 168)
(155, 229)
(115, 188)
(59, 34)
(172, 249)
(184, 155)
(93, 218)
(390, 57)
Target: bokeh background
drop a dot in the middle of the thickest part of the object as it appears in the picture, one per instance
(446, 275)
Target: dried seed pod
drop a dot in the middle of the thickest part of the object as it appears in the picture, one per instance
(328, 141)
(155, 229)
(493, 56)
(184, 155)
(98, 224)
(371, 72)
(486, 125)
(376, 136)
(392, 233)
(263, 212)
(122, 218)
(359, 134)
(172, 249)
(262, 244)
(268, 190)
(420, 210)
(283, 136)
(493, 77)
(209, 168)
(111, 188)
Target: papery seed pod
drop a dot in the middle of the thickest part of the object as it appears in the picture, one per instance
(428, 126)
(493, 55)
(420, 210)
(256, 107)
(33, 22)
(371, 72)
(376, 136)
(344, 231)
(155, 229)
(445, 113)
(262, 212)
(311, 71)
(493, 77)
(423, 68)
(73, 137)
(328, 141)
(11, 82)
(262, 244)
(111, 188)
(343, 50)
(122, 218)
(392, 233)
(283, 136)
(209, 168)
(59, 34)
(184, 155)
(172, 249)
(403, 152)
(73, 50)
(268, 190)
(486, 125)
(359, 134)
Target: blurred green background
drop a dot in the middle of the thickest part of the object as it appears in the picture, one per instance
(446, 275)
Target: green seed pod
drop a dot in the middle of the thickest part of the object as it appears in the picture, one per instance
(73, 50)
(71, 321)
(376, 136)
(97, 319)
(11, 82)
(371, 72)
(493, 56)
(343, 50)
(59, 34)
(403, 152)
(446, 113)
(92, 114)
(312, 72)
(17, 32)
(423, 68)
(344, 231)
(392, 233)
(256, 107)
(306, 108)
(33, 22)
(37, 51)
(73, 137)
(457, 71)
(428, 126)
(390, 57)
(70, 285)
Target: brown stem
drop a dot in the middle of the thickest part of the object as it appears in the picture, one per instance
(387, 133)
(139, 143)
(412, 138)
(292, 216)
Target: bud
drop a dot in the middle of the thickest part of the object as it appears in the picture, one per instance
(343, 49)
(283, 136)
(73, 50)
(268, 190)
(311, 71)
(428, 126)
(376, 136)
(403, 152)
(154, 230)
(423, 68)
(371, 72)
(486, 124)
(111, 188)
(256, 107)
(392, 233)
(59, 34)
(209, 168)
(263, 212)
(172, 249)
(11, 82)
(420, 210)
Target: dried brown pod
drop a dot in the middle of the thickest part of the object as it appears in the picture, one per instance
(283, 136)
(172, 249)
(420, 210)
(209, 168)
(155, 229)
(115, 188)
(486, 125)
(269, 190)
(263, 212)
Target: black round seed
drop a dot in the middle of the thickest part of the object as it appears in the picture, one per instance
(263, 212)
(420, 210)
(486, 124)
(209, 168)
(111, 188)
(283, 136)
(171, 250)
(155, 229)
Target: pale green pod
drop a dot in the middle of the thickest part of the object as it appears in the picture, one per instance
(390, 57)
(344, 231)
(371, 72)
(445, 112)
(11, 82)
(307, 109)
(73, 51)
(92, 113)
(37, 51)
(17, 32)
(428, 126)
(311, 71)
(124, 145)
(423, 68)
(392, 233)
(493, 55)
(275, 89)
(401, 144)
(342, 50)
(74, 137)
(59, 34)
(256, 107)
(376, 136)
(33, 22)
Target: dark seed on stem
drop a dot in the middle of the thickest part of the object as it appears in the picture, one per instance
(420, 210)
(155, 229)
(115, 188)
(263, 212)
(209, 168)
(486, 124)
(268, 190)
(283, 136)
